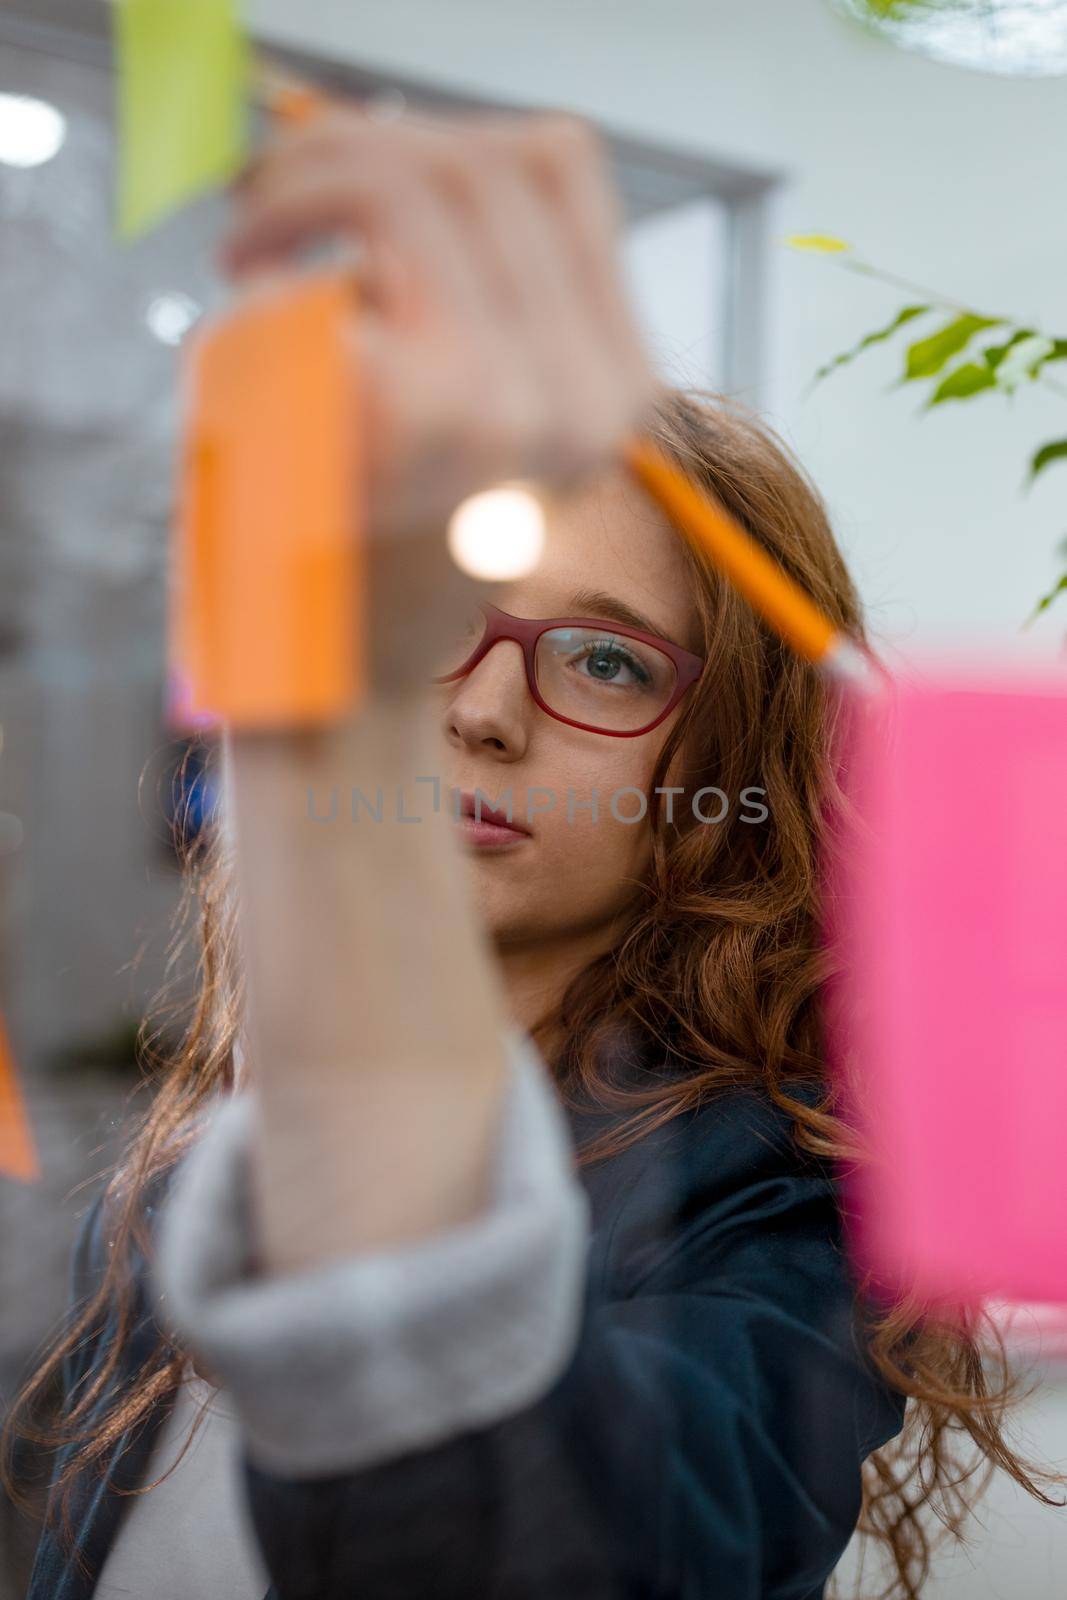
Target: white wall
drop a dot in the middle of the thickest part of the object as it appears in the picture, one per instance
(949, 178)
(677, 267)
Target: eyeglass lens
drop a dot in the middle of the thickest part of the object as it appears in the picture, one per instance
(593, 675)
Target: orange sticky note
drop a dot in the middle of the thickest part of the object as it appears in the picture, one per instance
(268, 580)
(18, 1153)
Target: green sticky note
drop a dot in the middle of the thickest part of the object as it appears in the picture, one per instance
(183, 78)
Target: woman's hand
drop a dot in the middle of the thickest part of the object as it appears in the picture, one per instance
(493, 340)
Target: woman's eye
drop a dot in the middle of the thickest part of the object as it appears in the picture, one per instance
(610, 663)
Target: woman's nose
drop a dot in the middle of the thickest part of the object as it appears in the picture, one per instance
(491, 706)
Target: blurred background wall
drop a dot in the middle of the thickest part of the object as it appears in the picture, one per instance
(734, 125)
(945, 176)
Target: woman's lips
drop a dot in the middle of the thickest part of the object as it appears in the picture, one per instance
(484, 826)
(485, 834)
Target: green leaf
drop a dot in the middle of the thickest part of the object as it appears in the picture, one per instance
(877, 337)
(1047, 599)
(962, 382)
(1022, 361)
(1023, 356)
(895, 10)
(994, 353)
(926, 358)
(823, 244)
(1048, 452)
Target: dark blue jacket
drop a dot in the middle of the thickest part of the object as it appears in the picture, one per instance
(705, 1440)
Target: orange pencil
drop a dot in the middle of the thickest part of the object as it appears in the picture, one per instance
(754, 574)
(291, 100)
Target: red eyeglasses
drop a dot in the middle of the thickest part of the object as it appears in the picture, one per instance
(590, 674)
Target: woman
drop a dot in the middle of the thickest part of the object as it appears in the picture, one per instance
(452, 1360)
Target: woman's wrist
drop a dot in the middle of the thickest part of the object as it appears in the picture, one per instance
(350, 877)
(390, 735)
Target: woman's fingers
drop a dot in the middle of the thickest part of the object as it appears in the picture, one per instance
(568, 161)
(348, 174)
(502, 343)
(549, 218)
(551, 335)
(279, 222)
(341, 172)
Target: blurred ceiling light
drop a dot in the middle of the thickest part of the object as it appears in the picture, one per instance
(498, 534)
(1020, 37)
(170, 316)
(31, 131)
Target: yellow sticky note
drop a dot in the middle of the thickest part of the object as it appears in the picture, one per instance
(183, 75)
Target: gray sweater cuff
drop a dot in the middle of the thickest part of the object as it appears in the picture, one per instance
(360, 1360)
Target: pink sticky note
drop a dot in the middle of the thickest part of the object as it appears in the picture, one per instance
(946, 905)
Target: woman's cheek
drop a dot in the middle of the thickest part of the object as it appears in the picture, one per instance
(597, 849)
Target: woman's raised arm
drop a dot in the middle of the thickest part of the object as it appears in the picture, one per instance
(493, 342)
